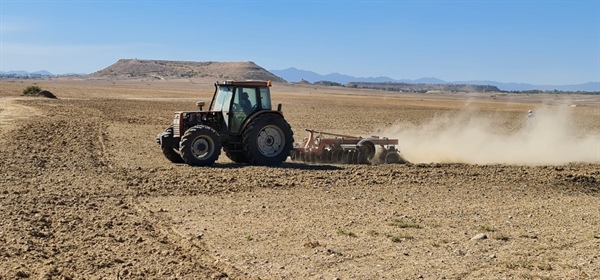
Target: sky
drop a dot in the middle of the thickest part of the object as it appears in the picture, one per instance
(530, 41)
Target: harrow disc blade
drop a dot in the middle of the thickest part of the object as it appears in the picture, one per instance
(325, 156)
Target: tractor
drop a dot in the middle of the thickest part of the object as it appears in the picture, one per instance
(240, 121)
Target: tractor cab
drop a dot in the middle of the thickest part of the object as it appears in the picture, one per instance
(239, 100)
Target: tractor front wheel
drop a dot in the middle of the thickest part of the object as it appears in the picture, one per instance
(268, 140)
(200, 146)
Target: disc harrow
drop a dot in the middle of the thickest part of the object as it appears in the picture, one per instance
(325, 147)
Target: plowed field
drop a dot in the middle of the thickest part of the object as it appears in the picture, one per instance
(85, 192)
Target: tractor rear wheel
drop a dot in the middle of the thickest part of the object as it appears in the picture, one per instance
(268, 140)
(170, 153)
(200, 146)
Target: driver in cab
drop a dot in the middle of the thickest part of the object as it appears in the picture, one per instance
(245, 102)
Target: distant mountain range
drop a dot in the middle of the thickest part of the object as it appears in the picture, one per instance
(295, 75)
(22, 72)
(36, 74)
(249, 70)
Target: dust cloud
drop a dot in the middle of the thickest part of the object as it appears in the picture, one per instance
(471, 137)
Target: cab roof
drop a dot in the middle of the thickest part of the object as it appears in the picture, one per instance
(245, 83)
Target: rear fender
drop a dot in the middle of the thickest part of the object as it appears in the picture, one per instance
(255, 115)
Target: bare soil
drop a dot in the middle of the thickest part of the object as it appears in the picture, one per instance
(85, 192)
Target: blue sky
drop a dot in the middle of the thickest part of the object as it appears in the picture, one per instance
(529, 41)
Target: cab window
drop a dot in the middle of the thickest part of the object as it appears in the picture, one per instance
(222, 99)
(245, 100)
(265, 98)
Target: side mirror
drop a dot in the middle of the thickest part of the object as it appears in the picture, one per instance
(279, 107)
(200, 104)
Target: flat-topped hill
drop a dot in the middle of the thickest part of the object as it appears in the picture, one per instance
(167, 69)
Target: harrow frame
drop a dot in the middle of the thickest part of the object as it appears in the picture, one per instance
(339, 148)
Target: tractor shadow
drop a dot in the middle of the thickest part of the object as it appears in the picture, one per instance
(305, 166)
(285, 165)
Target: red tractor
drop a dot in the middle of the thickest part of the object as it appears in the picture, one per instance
(240, 120)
